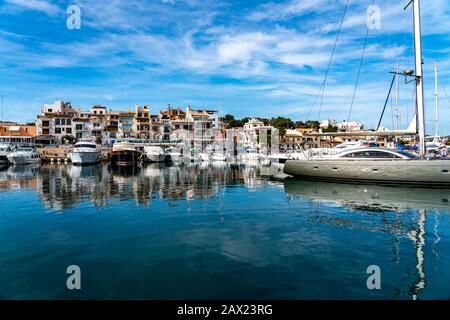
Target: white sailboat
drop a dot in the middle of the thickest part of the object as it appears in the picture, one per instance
(380, 165)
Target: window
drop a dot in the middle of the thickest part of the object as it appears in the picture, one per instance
(91, 146)
(58, 130)
(57, 122)
(69, 122)
(371, 155)
(79, 127)
(68, 130)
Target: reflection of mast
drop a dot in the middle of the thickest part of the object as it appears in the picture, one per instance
(418, 238)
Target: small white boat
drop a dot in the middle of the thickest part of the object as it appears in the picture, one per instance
(266, 162)
(219, 157)
(24, 155)
(5, 149)
(204, 156)
(280, 158)
(252, 156)
(85, 152)
(175, 155)
(154, 154)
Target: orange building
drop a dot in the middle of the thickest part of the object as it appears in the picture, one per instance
(13, 133)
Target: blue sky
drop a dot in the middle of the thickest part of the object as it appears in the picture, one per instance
(245, 57)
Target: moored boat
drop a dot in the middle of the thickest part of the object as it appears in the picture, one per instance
(24, 155)
(5, 150)
(85, 152)
(379, 165)
(153, 154)
(125, 154)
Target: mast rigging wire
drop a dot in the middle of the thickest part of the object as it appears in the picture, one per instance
(359, 69)
(322, 87)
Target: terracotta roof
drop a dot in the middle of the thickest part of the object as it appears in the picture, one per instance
(17, 131)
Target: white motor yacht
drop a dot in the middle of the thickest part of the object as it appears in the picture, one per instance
(219, 157)
(5, 149)
(175, 155)
(85, 152)
(204, 156)
(154, 154)
(24, 155)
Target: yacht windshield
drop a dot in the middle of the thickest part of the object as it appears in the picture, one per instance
(85, 146)
(407, 154)
(375, 154)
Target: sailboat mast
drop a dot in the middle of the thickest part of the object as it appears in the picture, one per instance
(419, 77)
(397, 116)
(436, 94)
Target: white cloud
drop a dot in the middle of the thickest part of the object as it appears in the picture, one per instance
(36, 5)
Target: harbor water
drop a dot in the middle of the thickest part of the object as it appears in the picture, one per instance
(216, 231)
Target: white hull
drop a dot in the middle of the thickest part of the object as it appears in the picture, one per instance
(18, 160)
(176, 157)
(204, 156)
(412, 172)
(84, 157)
(155, 157)
(219, 157)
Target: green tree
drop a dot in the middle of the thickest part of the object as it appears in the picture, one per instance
(68, 139)
(282, 124)
(330, 128)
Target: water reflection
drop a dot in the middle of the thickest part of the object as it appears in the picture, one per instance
(63, 186)
(220, 225)
(399, 211)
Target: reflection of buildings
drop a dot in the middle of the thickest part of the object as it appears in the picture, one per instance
(63, 186)
(20, 177)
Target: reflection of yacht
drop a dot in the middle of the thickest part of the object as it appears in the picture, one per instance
(24, 155)
(153, 170)
(85, 152)
(369, 197)
(154, 154)
(4, 151)
(125, 154)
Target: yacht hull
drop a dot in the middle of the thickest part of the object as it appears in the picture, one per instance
(155, 158)
(4, 159)
(125, 157)
(408, 172)
(23, 160)
(80, 158)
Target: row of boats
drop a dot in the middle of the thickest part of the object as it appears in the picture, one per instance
(128, 154)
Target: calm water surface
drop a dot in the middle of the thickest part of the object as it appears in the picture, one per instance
(216, 231)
